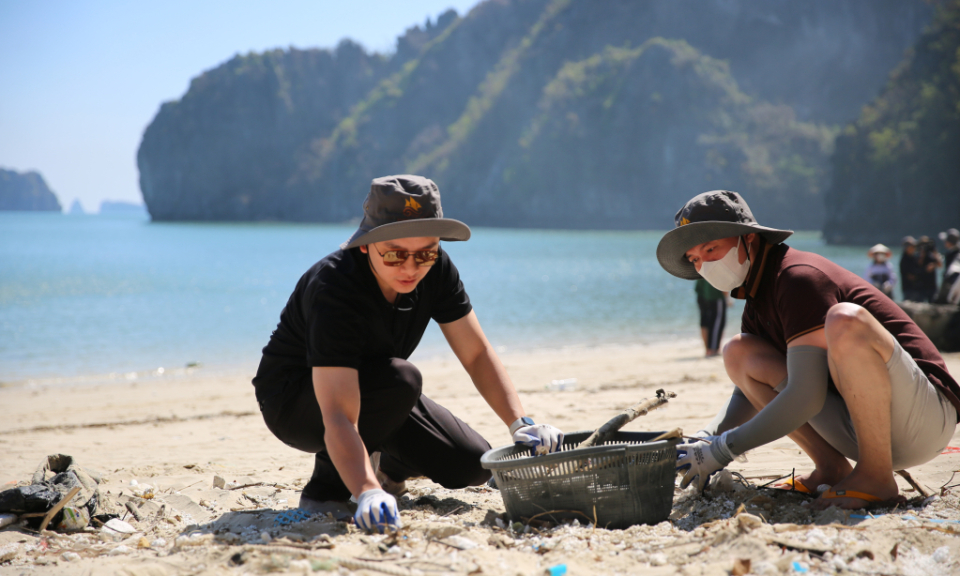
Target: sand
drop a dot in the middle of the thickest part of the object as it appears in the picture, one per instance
(176, 432)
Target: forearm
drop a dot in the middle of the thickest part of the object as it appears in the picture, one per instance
(494, 384)
(349, 454)
(736, 412)
(801, 399)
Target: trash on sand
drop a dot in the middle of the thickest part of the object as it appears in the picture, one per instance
(7, 519)
(564, 384)
(116, 530)
(558, 570)
(74, 519)
(53, 480)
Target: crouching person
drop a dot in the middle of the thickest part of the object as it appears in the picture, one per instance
(334, 379)
(823, 357)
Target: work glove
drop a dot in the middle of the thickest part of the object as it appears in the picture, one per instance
(699, 460)
(376, 510)
(541, 438)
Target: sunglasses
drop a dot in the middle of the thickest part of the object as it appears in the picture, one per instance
(398, 257)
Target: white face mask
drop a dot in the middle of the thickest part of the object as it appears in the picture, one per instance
(726, 273)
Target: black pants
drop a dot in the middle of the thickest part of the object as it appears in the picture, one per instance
(415, 435)
(713, 316)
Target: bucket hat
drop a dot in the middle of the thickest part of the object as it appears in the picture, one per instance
(951, 235)
(709, 216)
(404, 206)
(878, 248)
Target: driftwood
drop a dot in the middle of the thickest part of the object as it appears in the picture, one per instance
(605, 432)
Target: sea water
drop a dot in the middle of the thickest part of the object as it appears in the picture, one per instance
(91, 295)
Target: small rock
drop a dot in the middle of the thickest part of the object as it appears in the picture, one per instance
(158, 543)
(120, 551)
(265, 536)
(70, 556)
(461, 542)
(831, 515)
(9, 552)
(219, 482)
(440, 530)
(143, 543)
(658, 559)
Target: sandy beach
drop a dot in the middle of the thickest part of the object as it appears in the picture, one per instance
(178, 431)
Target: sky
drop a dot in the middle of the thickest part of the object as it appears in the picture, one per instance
(81, 80)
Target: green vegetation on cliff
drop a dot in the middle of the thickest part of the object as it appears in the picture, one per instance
(897, 169)
(547, 113)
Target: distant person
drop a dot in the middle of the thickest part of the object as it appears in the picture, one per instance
(929, 260)
(334, 379)
(910, 270)
(713, 315)
(823, 357)
(880, 273)
(950, 240)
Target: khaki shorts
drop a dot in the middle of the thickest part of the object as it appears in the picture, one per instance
(922, 421)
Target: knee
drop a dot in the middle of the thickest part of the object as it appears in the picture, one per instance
(736, 351)
(406, 380)
(846, 324)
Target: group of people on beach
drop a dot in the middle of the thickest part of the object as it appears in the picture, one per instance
(822, 356)
(919, 264)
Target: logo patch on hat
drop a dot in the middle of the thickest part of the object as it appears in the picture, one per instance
(411, 208)
(684, 221)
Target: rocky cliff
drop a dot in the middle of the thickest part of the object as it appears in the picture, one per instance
(549, 113)
(897, 168)
(26, 191)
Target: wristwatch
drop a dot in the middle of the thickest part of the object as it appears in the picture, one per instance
(520, 423)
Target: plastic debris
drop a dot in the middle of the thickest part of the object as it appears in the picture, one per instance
(294, 516)
(219, 482)
(558, 570)
(7, 519)
(74, 519)
(564, 384)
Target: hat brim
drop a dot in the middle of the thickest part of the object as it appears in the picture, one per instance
(444, 228)
(672, 250)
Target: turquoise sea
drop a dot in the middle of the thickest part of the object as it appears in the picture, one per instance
(97, 296)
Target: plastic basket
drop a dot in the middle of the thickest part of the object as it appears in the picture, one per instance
(626, 480)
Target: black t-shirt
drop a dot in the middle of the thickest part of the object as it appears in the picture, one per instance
(910, 271)
(337, 316)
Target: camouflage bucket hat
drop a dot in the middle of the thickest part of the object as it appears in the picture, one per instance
(709, 216)
(404, 206)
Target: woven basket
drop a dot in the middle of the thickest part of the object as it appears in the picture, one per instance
(627, 480)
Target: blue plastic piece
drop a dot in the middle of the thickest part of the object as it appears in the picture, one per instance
(294, 516)
(797, 567)
(558, 570)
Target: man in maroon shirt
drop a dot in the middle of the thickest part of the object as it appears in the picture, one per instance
(823, 357)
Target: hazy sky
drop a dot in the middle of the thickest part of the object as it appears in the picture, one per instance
(80, 80)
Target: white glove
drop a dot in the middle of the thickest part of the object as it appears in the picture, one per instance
(376, 510)
(699, 460)
(541, 438)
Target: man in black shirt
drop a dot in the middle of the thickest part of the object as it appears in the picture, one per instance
(334, 379)
(910, 270)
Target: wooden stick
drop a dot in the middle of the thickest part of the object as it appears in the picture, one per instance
(133, 510)
(59, 506)
(906, 475)
(675, 433)
(603, 433)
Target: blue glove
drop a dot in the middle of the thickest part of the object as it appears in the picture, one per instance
(376, 510)
(541, 438)
(699, 460)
